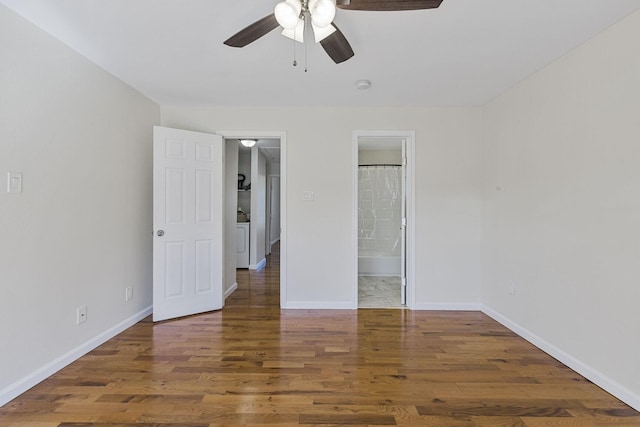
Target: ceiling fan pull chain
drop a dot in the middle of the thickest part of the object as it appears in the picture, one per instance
(306, 62)
(295, 62)
(306, 30)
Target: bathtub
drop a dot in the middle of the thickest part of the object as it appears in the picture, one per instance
(372, 265)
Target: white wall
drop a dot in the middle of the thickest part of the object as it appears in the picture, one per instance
(320, 247)
(563, 147)
(81, 230)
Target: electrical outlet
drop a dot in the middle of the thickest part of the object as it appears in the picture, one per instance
(128, 293)
(81, 314)
(512, 288)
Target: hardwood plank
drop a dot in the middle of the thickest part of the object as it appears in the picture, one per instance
(529, 409)
(354, 419)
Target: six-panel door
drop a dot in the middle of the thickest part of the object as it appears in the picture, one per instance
(187, 212)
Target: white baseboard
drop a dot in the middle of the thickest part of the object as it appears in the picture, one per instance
(16, 389)
(463, 306)
(593, 375)
(231, 290)
(259, 265)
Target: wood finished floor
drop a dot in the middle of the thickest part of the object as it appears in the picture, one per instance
(254, 365)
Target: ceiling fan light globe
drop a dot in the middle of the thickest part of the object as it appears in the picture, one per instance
(287, 13)
(322, 12)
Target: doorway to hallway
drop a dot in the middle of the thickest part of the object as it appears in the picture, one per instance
(268, 157)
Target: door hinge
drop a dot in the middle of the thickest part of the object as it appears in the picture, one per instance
(404, 222)
(404, 282)
(404, 161)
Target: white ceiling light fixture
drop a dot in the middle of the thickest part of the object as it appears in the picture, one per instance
(248, 142)
(292, 15)
(287, 13)
(322, 12)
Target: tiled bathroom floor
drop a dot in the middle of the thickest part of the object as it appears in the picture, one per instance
(379, 292)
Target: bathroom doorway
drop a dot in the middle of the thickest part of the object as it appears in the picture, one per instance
(383, 218)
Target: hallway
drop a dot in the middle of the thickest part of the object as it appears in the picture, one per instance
(253, 364)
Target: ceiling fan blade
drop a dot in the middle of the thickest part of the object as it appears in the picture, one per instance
(253, 32)
(388, 5)
(337, 46)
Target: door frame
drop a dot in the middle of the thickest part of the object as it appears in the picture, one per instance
(410, 141)
(282, 136)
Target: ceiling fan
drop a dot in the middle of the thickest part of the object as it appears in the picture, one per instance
(294, 15)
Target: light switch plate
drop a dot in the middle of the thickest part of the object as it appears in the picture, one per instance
(14, 182)
(308, 195)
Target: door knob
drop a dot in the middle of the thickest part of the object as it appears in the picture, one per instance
(160, 233)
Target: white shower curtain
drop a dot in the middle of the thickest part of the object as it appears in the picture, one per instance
(379, 210)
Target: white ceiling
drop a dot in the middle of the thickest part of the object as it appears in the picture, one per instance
(463, 54)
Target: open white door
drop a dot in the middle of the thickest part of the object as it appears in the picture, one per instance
(187, 222)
